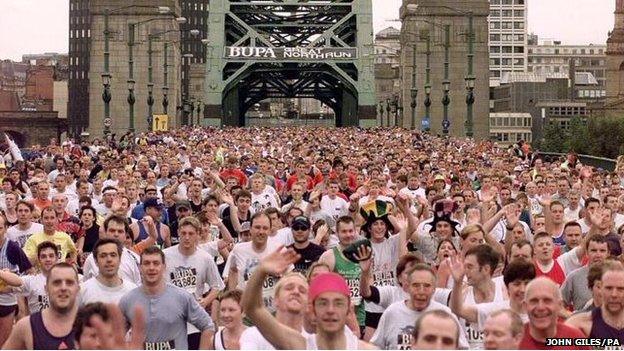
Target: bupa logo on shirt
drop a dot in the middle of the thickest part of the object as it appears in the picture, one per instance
(164, 345)
(184, 277)
(404, 338)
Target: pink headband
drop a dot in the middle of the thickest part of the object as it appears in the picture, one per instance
(328, 282)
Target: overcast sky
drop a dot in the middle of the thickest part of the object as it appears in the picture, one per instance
(37, 26)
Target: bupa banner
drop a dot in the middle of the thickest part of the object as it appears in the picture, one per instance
(286, 53)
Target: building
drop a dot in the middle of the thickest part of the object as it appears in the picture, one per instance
(13, 77)
(507, 37)
(562, 112)
(427, 23)
(196, 14)
(388, 46)
(614, 104)
(521, 92)
(550, 56)
(87, 60)
(511, 127)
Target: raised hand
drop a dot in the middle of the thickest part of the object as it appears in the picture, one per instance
(112, 333)
(364, 256)
(279, 261)
(512, 215)
(457, 268)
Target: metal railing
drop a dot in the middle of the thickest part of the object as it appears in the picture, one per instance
(274, 122)
(599, 162)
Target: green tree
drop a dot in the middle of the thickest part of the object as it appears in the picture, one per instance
(554, 138)
(577, 137)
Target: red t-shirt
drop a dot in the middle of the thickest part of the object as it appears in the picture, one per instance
(563, 331)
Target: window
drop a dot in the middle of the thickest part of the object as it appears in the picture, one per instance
(507, 49)
(494, 62)
(495, 13)
(494, 25)
(495, 37)
(518, 37)
(518, 25)
(519, 13)
(518, 49)
(506, 13)
(506, 25)
(583, 51)
(591, 51)
(495, 49)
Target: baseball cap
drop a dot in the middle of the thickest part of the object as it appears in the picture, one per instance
(328, 282)
(301, 222)
(152, 203)
(439, 177)
(183, 204)
(2, 166)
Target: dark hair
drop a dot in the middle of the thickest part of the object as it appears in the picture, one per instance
(236, 295)
(62, 265)
(118, 219)
(591, 200)
(485, 255)
(243, 193)
(258, 215)
(571, 224)
(105, 241)
(153, 250)
(208, 199)
(406, 259)
(437, 313)
(518, 270)
(47, 245)
(85, 208)
(596, 238)
(83, 317)
(343, 220)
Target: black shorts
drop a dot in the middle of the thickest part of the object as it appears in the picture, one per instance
(8, 310)
(372, 319)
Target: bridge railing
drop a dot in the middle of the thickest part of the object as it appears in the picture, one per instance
(274, 122)
(598, 162)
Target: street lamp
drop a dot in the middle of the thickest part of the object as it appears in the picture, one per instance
(165, 102)
(446, 83)
(106, 76)
(131, 101)
(106, 97)
(381, 111)
(470, 85)
(150, 103)
(388, 109)
(186, 109)
(426, 121)
(199, 106)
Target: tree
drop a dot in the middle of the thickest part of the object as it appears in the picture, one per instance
(554, 138)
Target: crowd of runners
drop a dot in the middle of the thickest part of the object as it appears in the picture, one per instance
(307, 238)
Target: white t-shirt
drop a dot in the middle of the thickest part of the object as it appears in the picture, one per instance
(33, 288)
(192, 273)
(128, 267)
(267, 198)
(20, 236)
(336, 207)
(251, 339)
(245, 259)
(487, 308)
(92, 290)
(396, 326)
(473, 332)
(385, 260)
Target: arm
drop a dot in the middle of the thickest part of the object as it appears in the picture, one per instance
(232, 279)
(10, 278)
(280, 337)
(17, 338)
(469, 313)
(328, 258)
(206, 338)
(365, 256)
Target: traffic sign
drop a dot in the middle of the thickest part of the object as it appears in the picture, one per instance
(446, 124)
(425, 123)
(107, 122)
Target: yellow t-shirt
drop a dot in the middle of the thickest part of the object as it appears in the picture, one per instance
(61, 239)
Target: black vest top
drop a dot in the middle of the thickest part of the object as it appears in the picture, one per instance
(43, 340)
(601, 330)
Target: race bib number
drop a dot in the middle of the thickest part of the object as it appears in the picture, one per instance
(475, 336)
(354, 287)
(44, 301)
(384, 278)
(164, 345)
(268, 288)
(185, 278)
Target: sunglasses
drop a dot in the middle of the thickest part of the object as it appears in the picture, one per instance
(300, 227)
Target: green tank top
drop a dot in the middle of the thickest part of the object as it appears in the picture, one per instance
(351, 272)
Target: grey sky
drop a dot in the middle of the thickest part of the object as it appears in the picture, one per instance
(37, 26)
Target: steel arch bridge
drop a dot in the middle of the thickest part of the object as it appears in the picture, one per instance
(321, 49)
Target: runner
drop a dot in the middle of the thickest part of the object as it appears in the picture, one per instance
(502, 330)
(435, 330)
(231, 317)
(168, 308)
(51, 328)
(33, 287)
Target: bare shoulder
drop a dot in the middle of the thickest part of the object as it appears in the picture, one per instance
(582, 321)
(21, 336)
(363, 345)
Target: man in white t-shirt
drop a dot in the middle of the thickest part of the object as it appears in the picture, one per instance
(107, 286)
(33, 286)
(396, 326)
(246, 256)
(332, 204)
(263, 196)
(25, 227)
(116, 227)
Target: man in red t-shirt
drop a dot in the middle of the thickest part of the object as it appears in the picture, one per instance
(542, 302)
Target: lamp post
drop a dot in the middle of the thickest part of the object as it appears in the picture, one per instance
(388, 109)
(397, 110)
(131, 101)
(381, 111)
(470, 78)
(165, 88)
(150, 84)
(414, 90)
(446, 83)
(426, 124)
(199, 105)
(106, 97)
(186, 109)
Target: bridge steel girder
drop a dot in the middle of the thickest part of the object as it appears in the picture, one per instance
(346, 86)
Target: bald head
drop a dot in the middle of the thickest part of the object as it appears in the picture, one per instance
(542, 301)
(542, 284)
